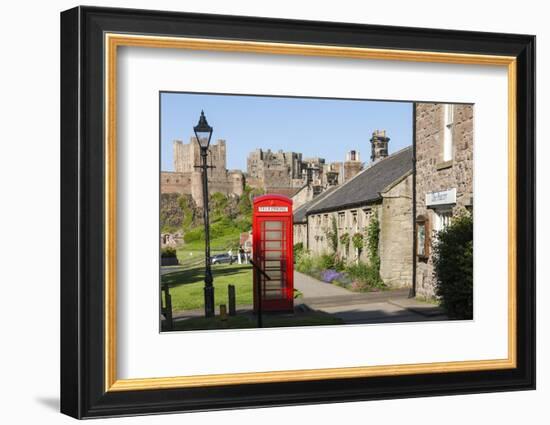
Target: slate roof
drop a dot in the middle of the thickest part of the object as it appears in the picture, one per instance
(299, 215)
(366, 186)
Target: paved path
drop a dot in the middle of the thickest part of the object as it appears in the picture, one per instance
(311, 287)
(371, 307)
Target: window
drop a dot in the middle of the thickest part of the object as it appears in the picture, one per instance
(325, 219)
(341, 219)
(367, 215)
(422, 238)
(442, 219)
(448, 116)
(354, 219)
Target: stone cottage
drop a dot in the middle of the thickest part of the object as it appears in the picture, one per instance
(300, 219)
(383, 190)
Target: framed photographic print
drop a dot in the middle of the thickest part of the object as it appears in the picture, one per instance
(261, 212)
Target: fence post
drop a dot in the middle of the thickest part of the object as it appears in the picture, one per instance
(231, 302)
(167, 310)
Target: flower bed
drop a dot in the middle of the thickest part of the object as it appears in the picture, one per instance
(329, 269)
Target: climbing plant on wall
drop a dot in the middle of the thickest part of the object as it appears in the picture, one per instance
(358, 242)
(344, 240)
(373, 238)
(332, 235)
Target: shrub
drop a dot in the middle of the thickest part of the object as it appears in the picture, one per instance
(196, 234)
(305, 264)
(298, 251)
(358, 241)
(168, 252)
(326, 261)
(339, 264)
(365, 277)
(453, 268)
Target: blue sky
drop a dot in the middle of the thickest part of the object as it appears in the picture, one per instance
(326, 128)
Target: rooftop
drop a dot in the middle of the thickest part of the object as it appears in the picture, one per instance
(367, 185)
(301, 212)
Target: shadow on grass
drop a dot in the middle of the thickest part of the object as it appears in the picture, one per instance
(196, 274)
(248, 320)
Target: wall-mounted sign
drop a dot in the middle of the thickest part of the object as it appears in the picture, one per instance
(273, 209)
(443, 197)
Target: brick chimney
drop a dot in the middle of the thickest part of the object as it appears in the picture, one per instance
(352, 165)
(379, 145)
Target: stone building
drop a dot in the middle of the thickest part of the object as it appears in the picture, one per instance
(299, 214)
(277, 172)
(383, 190)
(187, 179)
(274, 169)
(444, 178)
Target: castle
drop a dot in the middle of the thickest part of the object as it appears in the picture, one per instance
(186, 177)
(286, 173)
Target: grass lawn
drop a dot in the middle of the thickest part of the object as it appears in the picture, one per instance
(186, 287)
(249, 321)
(192, 253)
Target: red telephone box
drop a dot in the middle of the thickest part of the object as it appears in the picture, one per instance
(273, 252)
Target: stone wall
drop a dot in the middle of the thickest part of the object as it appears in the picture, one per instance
(174, 182)
(434, 174)
(350, 220)
(396, 234)
(304, 195)
(300, 234)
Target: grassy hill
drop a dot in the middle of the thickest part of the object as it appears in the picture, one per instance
(229, 217)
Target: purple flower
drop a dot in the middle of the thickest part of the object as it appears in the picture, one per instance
(330, 275)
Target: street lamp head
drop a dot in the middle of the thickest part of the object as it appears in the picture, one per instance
(203, 132)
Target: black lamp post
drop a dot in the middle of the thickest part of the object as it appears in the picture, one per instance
(203, 132)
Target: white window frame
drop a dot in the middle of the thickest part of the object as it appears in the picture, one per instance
(341, 220)
(448, 117)
(443, 217)
(354, 220)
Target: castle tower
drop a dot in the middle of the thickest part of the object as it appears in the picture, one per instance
(352, 165)
(196, 188)
(379, 145)
(178, 155)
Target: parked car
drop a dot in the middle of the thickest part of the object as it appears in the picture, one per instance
(223, 259)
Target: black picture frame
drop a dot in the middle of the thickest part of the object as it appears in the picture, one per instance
(83, 392)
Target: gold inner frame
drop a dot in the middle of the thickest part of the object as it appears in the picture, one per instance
(113, 41)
